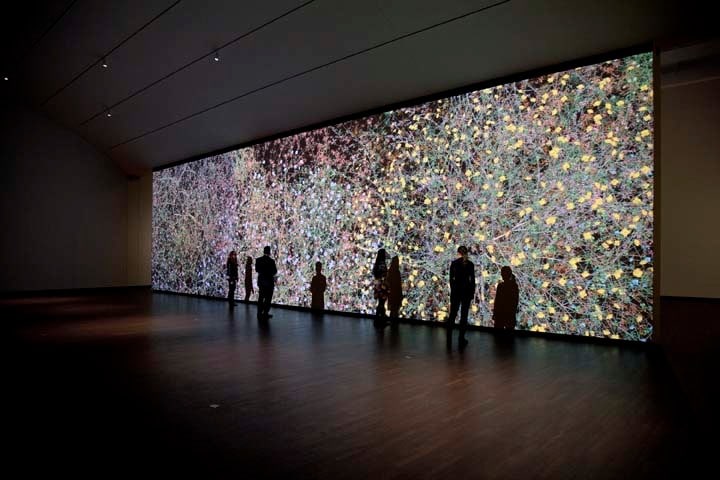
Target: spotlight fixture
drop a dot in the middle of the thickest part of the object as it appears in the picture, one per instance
(6, 78)
(104, 63)
(109, 114)
(216, 57)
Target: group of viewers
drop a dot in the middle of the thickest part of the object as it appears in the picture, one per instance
(387, 288)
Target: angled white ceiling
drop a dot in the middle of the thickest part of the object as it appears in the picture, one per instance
(296, 62)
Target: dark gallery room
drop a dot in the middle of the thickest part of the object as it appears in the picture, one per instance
(478, 239)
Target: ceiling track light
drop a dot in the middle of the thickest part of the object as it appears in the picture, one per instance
(109, 114)
(216, 57)
(104, 63)
(6, 78)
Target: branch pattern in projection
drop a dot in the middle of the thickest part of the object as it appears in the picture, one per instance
(552, 175)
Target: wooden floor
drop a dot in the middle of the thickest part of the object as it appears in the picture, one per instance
(145, 384)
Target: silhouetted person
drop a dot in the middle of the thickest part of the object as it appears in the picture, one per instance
(394, 283)
(266, 270)
(506, 300)
(248, 278)
(231, 267)
(462, 290)
(318, 285)
(380, 288)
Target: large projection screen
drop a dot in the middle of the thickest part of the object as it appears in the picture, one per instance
(551, 175)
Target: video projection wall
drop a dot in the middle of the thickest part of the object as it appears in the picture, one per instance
(552, 175)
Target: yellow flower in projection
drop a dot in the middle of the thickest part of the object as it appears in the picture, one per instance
(456, 222)
(490, 249)
(427, 201)
(625, 232)
(458, 186)
(421, 283)
(479, 236)
(643, 88)
(500, 194)
(566, 318)
(636, 242)
(570, 205)
(620, 103)
(637, 273)
(597, 119)
(645, 169)
(614, 182)
(574, 261)
(485, 273)
(617, 274)
(555, 152)
(441, 315)
(562, 281)
(585, 274)
(645, 133)
(540, 315)
(601, 291)
(639, 319)
(551, 310)
(404, 302)
(550, 221)
(542, 201)
(606, 332)
(439, 248)
(545, 284)
(465, 214)
(588, 235)
(546, 266)
(583, 294)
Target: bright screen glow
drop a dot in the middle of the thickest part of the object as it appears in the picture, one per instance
(552, 176)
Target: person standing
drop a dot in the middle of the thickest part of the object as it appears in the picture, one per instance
(266, 270)
(380, 288)
(507, 297)
(462, 291)
(231, 267)
(318, 285)
(248, 278)
(394, 282)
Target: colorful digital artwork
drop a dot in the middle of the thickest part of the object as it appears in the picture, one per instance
(552, 175)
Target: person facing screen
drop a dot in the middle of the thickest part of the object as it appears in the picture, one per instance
(231, 267)
(462, 290)
(394, 282)
(506, 300)
(248, 278)
(380, 288)
(266, 270)
(318, 285)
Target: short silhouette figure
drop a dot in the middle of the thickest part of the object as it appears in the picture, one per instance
(380, 287)
(394, 282)
(231, 268)
(248, 278)
(462, 291)
(506, 300)
(266, 270)
(318, 285)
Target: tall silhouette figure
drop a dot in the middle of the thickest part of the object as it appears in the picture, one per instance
(394, 282)
(318, 285)
(506, 300)
(231, 268)
(380, 287)
(266, 270)
(248, 278)
(462, 290)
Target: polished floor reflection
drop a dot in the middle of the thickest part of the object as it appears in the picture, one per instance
(136, 383)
